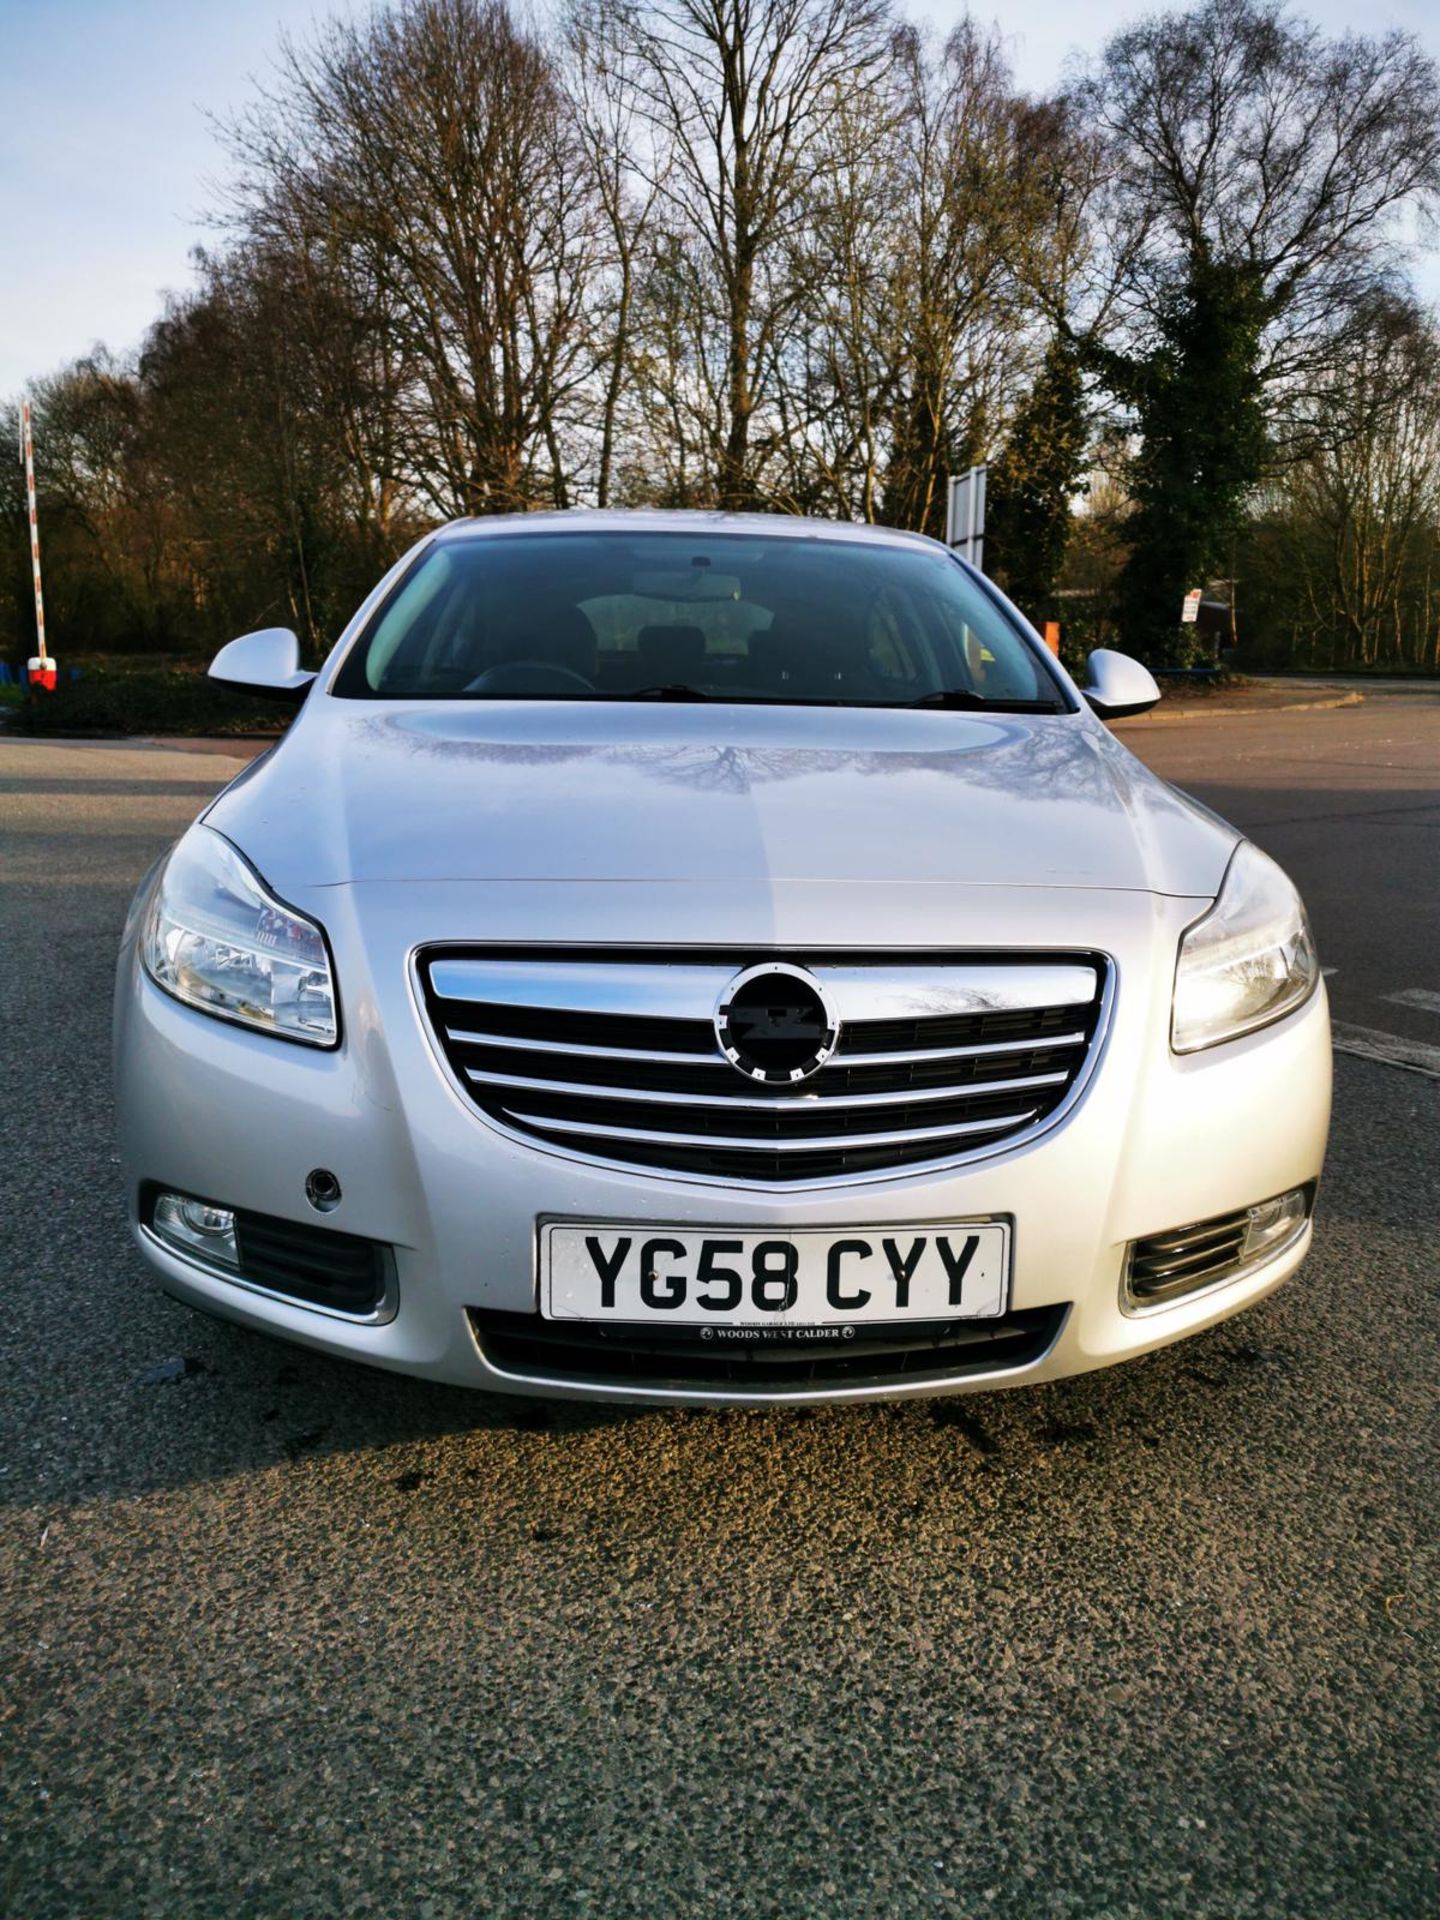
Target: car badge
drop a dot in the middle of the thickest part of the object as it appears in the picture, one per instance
(776, 1024)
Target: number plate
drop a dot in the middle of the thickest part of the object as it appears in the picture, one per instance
(812, 1278)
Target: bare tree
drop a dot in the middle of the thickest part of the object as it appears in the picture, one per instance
(600, 71)
(436, 141)
(340, 339)
(680, 404)
(960, 310)
(838, 368)
(1352, 530)
(1070, 284)
(737, 98)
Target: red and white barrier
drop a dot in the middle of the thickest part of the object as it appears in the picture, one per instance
(41, 671)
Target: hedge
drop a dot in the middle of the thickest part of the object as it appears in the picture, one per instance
(114, 697)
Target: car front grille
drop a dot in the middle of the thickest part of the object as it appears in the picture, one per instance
(529, 1348)
(614, 1055)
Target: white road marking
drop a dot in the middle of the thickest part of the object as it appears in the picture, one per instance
(1370, 1044)
(1416, 997)
(1329, 971)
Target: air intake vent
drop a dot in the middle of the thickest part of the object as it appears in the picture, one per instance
(615, 1055)
(337, 1272)
(313, 1264)
(527, 1347)
(1167, 1264)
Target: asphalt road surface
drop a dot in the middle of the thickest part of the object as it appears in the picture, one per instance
(284, 1637)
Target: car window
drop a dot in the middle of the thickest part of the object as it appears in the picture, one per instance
(617, 615)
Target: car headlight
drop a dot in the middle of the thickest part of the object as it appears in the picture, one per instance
(217, 939)
(1250, 959)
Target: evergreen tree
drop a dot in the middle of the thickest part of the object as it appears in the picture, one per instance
(1033, 483)
(1198, 403)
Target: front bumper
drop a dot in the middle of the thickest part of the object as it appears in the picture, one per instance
(1155, 1142)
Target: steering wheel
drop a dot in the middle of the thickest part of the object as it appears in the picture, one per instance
(528, 676)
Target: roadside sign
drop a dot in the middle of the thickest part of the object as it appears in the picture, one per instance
(965, 515)
(1190, 611)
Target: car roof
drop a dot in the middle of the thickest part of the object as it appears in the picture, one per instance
(676, 520)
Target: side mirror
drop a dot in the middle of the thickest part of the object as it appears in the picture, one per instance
(1119, 686)
(266, 664)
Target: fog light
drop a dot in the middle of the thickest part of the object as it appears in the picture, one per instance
(196, 1227)
(1273, 1222)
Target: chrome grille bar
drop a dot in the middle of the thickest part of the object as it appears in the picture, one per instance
(999, 1123)
(918, 1056)
(1215, 1253)
(784, 1103)
(658, 989)
(653, 1056)
(1194, 1239)
(675, 990)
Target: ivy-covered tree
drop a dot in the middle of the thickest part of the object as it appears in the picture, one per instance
(1257, 170)
(1198, 401)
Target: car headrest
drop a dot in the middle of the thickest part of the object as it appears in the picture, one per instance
(670, 653)
(791, 657)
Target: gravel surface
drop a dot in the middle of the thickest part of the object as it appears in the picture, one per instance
(283, 1637)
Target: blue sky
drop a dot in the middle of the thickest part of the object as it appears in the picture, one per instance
(107, 159)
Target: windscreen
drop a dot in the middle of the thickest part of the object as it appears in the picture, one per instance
(620, 616)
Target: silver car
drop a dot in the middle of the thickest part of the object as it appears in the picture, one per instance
(688, 957)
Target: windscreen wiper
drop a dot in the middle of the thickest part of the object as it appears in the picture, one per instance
(670, 690)
(950, 697)
(965, 699)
